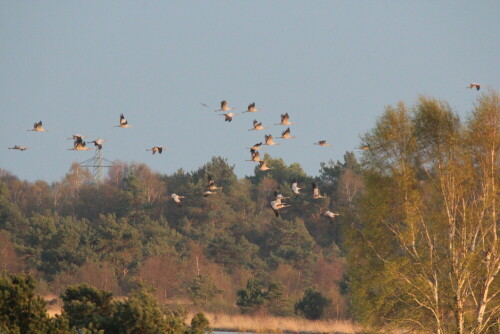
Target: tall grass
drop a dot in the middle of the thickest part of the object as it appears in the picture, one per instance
(258, 323)
(269, 324)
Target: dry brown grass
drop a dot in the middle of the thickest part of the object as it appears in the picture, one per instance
(256, 324)
(53, 304)
(269, 324)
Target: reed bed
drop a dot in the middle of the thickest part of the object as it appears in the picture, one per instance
(269, 324)
(259, 323)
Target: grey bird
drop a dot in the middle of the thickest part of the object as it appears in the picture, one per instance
(474, 85)
(157, 149)
(322, 143)
(251, 108)
(18, 147)
(330, 215)
(285, 120)
(316, 194)
(277, 206)
(37, 127)
(257, 126)
(224, 106)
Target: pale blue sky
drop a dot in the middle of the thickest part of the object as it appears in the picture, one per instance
(332, 65)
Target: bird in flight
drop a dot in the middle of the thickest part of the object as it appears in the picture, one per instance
(257, 126)
(474, 85)
(256, 147)
(211, 186)
(323, 143)
(158, 149)
(37, 127)
(286, 134)
(284, 120)
(228, 117)
(207, 193)
(316, 194)
(177, 199)
(254, 156)
(98, 143)
(295, 188)
(251, 108)
(279, 197)
(224, 106)
(123, 122)
(263, 165)
(330, 215)
(277, 206)
(18, 147)
(77, 136)
(80, 145)
(364, 147)
(269, 140)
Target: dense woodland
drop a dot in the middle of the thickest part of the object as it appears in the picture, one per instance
(415, 245)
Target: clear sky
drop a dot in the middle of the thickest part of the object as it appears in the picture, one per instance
(332, 65)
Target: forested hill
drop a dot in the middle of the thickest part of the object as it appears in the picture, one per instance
(127, 229)
(415, 244)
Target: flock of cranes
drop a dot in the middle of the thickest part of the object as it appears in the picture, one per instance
(211, 188)
(276, 204)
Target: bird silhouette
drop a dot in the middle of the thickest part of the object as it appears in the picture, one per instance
(286, 134)
(80, 145)
(224, 106)
(37, 127)
(254, 156)
(316, 194)
(123, 122)
(263, 165)
(228, 117)
(323, 143)
(269, 140)
(18, 147)
(256, 147)
(277, 206)
(177, 199)
(295, 188)
(285, 120)
(330, 215)
(98, 143)
(251, 108)
(156, 149)
(257, 126)
(474, 85)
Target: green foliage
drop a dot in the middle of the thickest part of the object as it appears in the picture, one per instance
(176, 321)
(127, 230)
(11, 218)
(139, 314)
(202, 290)
(93, 311)
(86, 307)
(259, 296)
(421, 251)
(290, 242)
(229, 252)
(199, 324)
(23, 312)
(312, 304)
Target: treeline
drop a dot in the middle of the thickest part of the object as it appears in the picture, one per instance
(88, 310)
(415, 246)
(126, 231)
